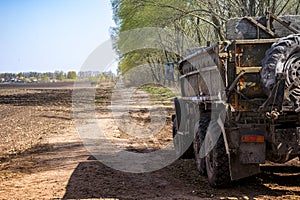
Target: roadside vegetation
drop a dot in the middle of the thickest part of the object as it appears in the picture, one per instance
(159, 93)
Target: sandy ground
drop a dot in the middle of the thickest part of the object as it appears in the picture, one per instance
(43, 157)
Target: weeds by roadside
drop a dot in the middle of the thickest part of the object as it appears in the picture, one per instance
(158, 93)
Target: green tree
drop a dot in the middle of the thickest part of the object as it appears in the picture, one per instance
(60, 75)
(71, 75)
(45, 78)
(200, 20)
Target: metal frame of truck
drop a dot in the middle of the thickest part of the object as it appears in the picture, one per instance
(226, 77)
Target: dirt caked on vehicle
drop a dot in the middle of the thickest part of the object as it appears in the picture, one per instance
(240, 99)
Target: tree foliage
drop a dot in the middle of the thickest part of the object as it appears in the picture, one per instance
(71, 75)
(200, 20)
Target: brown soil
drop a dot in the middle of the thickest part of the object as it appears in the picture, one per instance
(42, 156)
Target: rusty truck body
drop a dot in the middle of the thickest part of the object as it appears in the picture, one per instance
(240, 102)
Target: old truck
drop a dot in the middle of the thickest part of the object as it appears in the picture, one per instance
(240, 99)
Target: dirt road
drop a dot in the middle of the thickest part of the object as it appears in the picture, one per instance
(42, 156)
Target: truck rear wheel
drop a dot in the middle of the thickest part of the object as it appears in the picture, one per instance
(279, 58)
(200, 132)
(217, 165)
(181, 142)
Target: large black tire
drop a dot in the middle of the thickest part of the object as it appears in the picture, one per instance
(181, 142)
(217, 165)
(278, 59)
(200, 132)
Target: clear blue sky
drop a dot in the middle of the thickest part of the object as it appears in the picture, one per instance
(49, 35)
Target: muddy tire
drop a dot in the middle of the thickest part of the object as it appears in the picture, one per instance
(217, 165)
(181, 142)
(200, 132)
(278, 59)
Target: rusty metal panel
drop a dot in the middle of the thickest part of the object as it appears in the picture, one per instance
(251, 54)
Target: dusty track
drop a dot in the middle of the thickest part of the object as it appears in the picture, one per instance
(42, 156)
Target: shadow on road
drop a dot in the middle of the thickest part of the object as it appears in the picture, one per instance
(92, 179)
(43, 157)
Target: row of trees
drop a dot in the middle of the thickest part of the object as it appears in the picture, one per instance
(46, 76)
(197, 20)
(54, 76)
